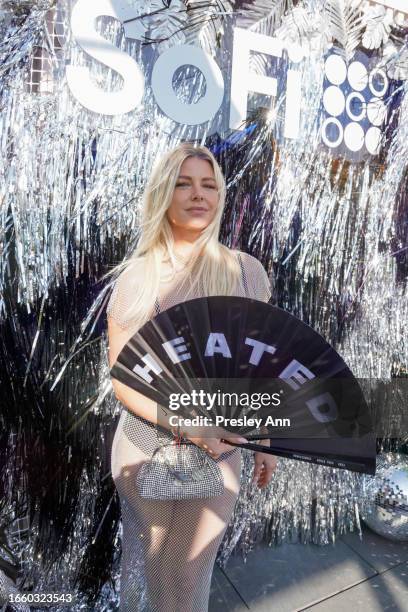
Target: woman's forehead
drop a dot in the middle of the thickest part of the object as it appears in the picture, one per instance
(196, 165)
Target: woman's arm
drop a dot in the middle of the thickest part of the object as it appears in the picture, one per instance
(137, 403)
(146, 408)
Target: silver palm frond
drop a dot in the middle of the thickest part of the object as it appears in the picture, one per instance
(170, 22)
(305, 28)
(262, 16)
(206, 21)
(378, 22)
(165, 23)
(346, 23)
(395, 61)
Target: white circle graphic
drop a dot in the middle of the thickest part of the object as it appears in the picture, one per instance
(373, 140)
(354, 136)
(332, 143)
(376, 111)
(335, 69)
(353, 96)
(371, 83)
(333, 100)
(357, 76)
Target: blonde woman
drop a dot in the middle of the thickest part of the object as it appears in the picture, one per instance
(169, 547)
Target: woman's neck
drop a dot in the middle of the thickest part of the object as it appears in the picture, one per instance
(183, 249)
(185, 242)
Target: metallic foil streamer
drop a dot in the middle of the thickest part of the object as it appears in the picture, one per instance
(332, 234)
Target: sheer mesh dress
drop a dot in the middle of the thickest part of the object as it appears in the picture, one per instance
(169, 547)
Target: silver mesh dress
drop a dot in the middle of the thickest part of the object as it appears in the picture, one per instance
(169, 547)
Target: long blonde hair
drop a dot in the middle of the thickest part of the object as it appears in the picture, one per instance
(217, 268)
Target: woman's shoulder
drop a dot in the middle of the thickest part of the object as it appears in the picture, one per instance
(250, 262)
(257, 277)
(124, 289)
(131, 274)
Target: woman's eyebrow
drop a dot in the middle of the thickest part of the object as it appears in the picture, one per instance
(204, 178)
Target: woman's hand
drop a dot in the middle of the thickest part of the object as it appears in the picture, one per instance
(264, 467)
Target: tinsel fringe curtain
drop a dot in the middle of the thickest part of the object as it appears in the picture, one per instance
(331, 232)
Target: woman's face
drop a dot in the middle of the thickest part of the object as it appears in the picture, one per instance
(195, 197)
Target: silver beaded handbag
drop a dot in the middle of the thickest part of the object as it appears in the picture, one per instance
(180, 471)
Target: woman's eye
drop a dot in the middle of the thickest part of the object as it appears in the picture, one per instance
(184, 184)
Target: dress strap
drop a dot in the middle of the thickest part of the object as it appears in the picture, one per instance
(156, 306)
(243, 275)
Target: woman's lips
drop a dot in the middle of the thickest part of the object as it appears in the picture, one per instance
(197, 210)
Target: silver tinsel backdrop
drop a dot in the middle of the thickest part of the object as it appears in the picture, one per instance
(329, 223)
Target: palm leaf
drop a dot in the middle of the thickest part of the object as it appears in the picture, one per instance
(205, 21)
(262, 16)
(378, 24)
(346, 23)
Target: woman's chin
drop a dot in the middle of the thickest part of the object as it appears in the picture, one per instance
(197, 225)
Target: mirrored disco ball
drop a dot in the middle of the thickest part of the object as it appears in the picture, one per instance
(386, 506)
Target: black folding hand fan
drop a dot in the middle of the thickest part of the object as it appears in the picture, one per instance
(255, 370)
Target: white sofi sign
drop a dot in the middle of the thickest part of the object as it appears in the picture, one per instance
(130, 97)
(354, 106)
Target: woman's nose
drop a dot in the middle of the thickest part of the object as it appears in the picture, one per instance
(198, 192)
